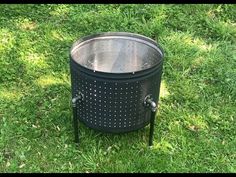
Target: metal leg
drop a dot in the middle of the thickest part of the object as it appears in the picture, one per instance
(151, 128)
(79, 98)
(76, 124)
(148, 102)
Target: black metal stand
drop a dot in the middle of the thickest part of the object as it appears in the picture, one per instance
(78, 98)
(150, 103)
(151, 128)
(76, 123)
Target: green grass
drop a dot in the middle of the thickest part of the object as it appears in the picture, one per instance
(195, 125)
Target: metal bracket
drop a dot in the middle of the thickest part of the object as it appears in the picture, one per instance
(79, 97)
(148, 102)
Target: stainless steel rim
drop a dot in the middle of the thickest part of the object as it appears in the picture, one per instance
(117, 35)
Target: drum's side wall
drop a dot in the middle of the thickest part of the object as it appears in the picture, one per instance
(114, 105)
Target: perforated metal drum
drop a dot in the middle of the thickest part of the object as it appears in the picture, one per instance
(112, 76)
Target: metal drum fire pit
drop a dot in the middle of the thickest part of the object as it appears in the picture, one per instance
(115, 78)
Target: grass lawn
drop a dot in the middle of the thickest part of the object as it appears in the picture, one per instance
(195, 124)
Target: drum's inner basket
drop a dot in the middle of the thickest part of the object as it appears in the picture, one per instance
(116, 54)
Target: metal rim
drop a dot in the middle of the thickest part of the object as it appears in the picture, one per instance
(145, 40)
(117, 77)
